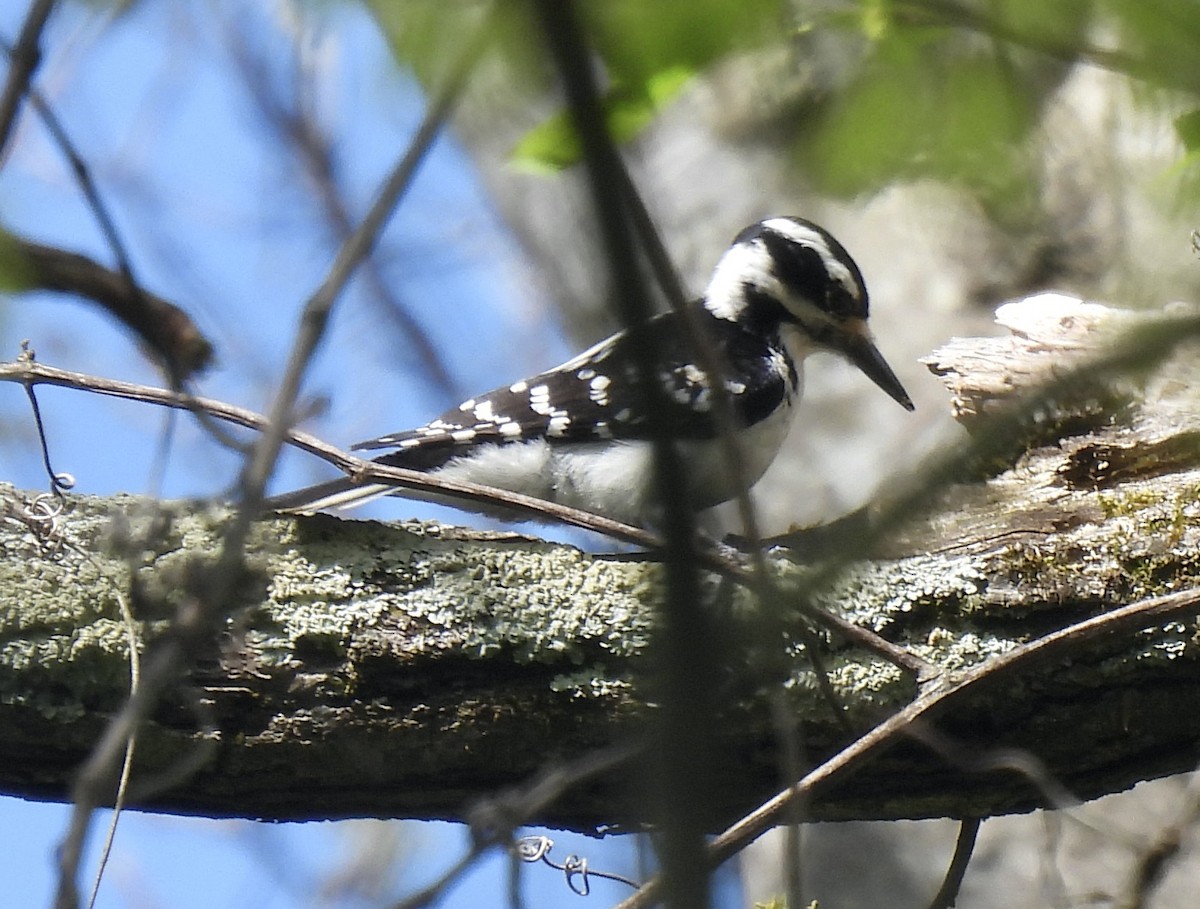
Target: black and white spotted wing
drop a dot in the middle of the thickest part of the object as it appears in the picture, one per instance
(593, 398)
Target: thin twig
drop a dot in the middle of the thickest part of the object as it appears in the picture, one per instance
(48, 530)
(421, 485)
(537, 849)
(758, 578)
(1153, 864)
(1051, 648)
(293, 122)
(493, 821)
(135, 673)
(164, 327)
(352, 253)
(1054, 794)
(727, 428)
(701, 345)
(977, 20)
(1130, 353)
(964, 847)
(681, 760)
(197, 615)
(728, 434)
(24, 59)
(788, 732)
(58, 481)
(81, 171)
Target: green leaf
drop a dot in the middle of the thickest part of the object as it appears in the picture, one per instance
(639, 39)
(553, 145)
(876, 18)
(1057, 22)
(649, 51)
(549, 147)
(15, 272)
(427, 35)
(1187, 127)
(921, 109)
(1162, 37)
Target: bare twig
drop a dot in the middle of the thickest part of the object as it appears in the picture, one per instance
(710, 362)
(494, 820)
(1131, 352)
(964, 846)
(945, 12)
(42, 519)
(1054, 794)
(421, 485)
(293, 121)
(82, 174)
(788, 733)
(59, 482)
(135, 671)
(162, 326)
(1153, 863)
(537, 849)
(727, 429)
(352, 253)
(1048, 649)
(681, 762)
(26, 55)
(199, 612)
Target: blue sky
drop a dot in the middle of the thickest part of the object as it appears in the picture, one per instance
(217, 218)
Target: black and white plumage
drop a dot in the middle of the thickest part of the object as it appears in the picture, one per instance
(579, 435)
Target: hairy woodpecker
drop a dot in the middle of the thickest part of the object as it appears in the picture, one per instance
(579, 434)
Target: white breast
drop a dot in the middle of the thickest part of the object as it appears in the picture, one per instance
(711, 477)
(608, 478)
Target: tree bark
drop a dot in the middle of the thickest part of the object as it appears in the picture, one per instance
(407, 670)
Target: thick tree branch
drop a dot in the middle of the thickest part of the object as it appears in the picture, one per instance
(405, 670)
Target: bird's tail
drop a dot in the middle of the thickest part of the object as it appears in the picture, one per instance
(342, 493)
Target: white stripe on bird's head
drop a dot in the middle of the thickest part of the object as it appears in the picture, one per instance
(791, 266)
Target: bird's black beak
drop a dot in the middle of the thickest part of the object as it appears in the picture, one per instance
(860, 349)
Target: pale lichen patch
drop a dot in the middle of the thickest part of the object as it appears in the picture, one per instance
(880, 594)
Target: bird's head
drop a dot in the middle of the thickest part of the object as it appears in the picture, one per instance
(791, 275)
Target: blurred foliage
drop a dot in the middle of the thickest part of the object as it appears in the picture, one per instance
(1161, 40)
(427, 34)
(554, 144)
(919, 107)
(949, 89)
(1187, 127)
(15, 271)
(649, 51)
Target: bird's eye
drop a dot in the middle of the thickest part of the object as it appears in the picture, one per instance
(842, 300)
(798, 266)
(814, 266)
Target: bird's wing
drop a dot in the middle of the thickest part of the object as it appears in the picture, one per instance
(594, 397)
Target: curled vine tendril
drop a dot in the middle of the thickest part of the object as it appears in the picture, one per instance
(574, 868)
(41, 518)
